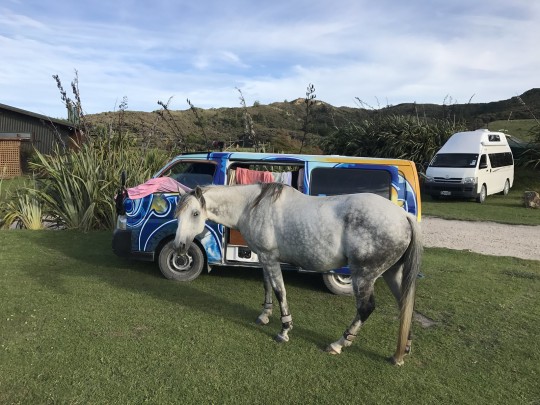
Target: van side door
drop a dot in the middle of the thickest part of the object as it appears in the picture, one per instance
(484, 174)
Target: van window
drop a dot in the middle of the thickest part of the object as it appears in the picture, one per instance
(501, 159)
(483, 162)
(192, 174)
(273, 171)
(494, 138)
(337, 181)
(454, 160)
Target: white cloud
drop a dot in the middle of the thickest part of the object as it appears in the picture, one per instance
(391, 51)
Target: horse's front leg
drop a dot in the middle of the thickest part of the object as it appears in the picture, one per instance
(275, 277)
(264, 317)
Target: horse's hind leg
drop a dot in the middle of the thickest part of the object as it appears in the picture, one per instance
(393, 277)
(365, 305)
(264, 317)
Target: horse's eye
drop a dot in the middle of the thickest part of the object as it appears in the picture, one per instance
(195, 213)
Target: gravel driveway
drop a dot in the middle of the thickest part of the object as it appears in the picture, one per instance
(488, 238)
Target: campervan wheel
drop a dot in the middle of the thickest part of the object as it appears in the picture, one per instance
(340, 284)
(482, 195)
(178, 267)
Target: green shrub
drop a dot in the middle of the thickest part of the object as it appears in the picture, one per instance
(531, 156)
(393, 136)
(23, 208)
(76, 187)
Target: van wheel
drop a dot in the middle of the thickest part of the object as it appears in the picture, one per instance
(482, 195)
(506, 188)
(177, 267)
(339, 284)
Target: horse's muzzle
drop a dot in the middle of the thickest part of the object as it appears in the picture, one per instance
(181, 248)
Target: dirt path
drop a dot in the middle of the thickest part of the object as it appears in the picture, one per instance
(488, 238)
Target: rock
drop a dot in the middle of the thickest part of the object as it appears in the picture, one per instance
(531, 199)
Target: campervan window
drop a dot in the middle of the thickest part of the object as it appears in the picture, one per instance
(501, 159)
(336, 181)
(192, 174)
(454, 160)
(255, 172)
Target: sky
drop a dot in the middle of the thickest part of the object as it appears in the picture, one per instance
(382, 52)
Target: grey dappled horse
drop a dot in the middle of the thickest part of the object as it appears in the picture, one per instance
(369, 233)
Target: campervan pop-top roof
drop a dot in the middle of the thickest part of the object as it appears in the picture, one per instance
(472, 140)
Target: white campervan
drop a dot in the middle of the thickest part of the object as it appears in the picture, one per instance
(471, 164)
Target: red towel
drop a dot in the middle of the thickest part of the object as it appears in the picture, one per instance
(246, 176)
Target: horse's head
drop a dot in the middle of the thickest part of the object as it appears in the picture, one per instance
(191, 215)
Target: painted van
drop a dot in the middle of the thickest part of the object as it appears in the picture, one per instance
(146, 226)
(471, 164)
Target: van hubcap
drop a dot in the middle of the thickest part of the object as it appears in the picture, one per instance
(180, 262)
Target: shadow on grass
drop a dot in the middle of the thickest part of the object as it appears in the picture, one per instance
(94, 252)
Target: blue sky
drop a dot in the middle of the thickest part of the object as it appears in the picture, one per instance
(383, 52)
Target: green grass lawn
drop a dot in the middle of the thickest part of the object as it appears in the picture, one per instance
(78, 325)
(507, 209)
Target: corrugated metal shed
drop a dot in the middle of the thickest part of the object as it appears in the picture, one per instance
(21, 131)
(45, 131)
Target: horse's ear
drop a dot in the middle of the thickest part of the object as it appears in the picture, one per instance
(197, 192)
(181, 192)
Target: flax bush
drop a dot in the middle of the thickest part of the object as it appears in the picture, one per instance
(531, 156)
(75, 188)
(24, 209)
(78, 186)
(393, 136)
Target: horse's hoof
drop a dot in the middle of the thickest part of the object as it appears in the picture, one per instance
(282, 339)
(262, 322)
(396, 362)
(330, 350)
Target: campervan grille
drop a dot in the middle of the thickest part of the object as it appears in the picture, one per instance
(449, 180)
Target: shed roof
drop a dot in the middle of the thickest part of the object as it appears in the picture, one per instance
(56, 121)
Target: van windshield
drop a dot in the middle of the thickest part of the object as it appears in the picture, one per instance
(454, 160)
(192, 174)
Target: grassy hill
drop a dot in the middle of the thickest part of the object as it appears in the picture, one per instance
(518, 128)
(279, 126)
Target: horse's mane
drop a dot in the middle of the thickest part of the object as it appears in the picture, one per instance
(268, 190)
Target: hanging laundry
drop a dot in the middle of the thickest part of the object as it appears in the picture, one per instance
(247, 176)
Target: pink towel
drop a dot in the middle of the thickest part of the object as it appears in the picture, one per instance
(246, 176)
(157, 185)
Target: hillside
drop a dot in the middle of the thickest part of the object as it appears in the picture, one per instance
(279, 126)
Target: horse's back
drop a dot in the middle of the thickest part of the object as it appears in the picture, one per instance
(322, 233)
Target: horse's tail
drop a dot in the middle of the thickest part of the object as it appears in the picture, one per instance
(411, 268)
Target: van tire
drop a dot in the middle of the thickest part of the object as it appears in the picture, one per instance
(339, 284)
(482, 195)
(506, 188)
(177, 267)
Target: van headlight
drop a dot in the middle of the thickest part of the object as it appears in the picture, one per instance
(121, 222)
(429, 179)
(469, 180)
